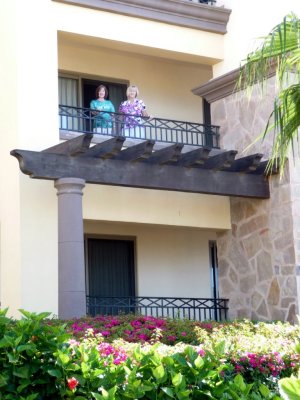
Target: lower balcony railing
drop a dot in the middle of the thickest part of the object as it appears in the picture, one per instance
(84, 120)
(168, 307)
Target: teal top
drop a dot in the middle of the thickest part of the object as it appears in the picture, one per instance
(102, 119)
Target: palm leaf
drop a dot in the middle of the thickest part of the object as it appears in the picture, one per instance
(279, 50)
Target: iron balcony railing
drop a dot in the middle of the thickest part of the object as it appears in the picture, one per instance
(84, 120)
(167, 307)
(210, 2)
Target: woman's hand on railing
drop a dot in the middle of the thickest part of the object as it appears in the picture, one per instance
(148, 118)
(95, 112)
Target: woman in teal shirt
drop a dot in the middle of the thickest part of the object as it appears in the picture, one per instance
(102, 119)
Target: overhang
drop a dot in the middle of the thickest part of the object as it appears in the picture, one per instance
(176, 12)
(108, 163)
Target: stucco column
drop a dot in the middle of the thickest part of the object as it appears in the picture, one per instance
(71, 271)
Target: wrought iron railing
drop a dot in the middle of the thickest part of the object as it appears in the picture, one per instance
(210, 2)
(85, 120)
(167, 307)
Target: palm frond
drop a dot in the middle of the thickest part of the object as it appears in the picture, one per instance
(279, 51)
(278, 48)
(286, 117)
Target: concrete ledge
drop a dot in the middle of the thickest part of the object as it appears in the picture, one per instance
(218, 88)
(177, 12)
(224, 85)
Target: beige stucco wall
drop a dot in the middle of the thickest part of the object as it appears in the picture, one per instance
(10, 196)
(29, 68)
(160, 38)
(165, 85)
(29, 104)
(249, 21)
(170, 261)
(294, 168)
(156, 207)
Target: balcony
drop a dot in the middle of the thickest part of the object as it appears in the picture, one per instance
(76, 120)
(197, 309)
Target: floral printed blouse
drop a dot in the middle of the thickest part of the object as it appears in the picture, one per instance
(135, 108)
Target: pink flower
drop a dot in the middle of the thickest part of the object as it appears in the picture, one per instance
(136, 323)
(201, 352)
(105, 349)
(105, 333)
(183, 333)
(238, 368)
(143, 336)
(160, 323)
(120, 356)
(72, 383)
(74, 342)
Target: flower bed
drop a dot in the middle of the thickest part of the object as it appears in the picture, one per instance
(138, 329)
(130, 357)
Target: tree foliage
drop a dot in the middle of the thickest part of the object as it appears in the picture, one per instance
(279, 51)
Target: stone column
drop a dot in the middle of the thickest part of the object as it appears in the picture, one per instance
(71, 270)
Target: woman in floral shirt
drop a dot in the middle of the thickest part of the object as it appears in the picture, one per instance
(134, 110)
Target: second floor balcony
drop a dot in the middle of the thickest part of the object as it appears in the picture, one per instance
(77, 120)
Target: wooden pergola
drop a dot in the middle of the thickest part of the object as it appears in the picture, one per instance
(74, 163)
(201, 170)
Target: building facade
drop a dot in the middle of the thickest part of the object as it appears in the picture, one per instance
(154, 243)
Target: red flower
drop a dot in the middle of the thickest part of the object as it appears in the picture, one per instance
(72, 383)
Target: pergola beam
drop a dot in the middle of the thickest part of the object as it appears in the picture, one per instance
(45, 165)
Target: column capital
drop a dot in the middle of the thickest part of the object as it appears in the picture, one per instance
(69, 185)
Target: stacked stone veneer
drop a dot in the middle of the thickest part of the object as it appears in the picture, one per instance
(258, 258)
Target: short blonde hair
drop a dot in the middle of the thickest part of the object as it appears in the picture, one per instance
(132, 87)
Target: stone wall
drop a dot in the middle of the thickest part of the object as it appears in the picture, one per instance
(258, 257)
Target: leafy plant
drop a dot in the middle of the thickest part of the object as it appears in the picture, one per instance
(39, 360)
(290, 388)
(27, 366)
(278, 50)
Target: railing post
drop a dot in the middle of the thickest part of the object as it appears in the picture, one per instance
(91, 122)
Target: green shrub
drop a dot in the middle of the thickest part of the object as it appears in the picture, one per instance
(40, 360)
(27, 365)
(148, 372)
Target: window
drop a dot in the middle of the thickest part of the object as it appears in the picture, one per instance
(78, 91)
(75, 95)
(213, 258)
(68, 91)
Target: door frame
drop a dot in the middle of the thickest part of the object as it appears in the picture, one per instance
(80, 77)
(109, 237)
(214, 273)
